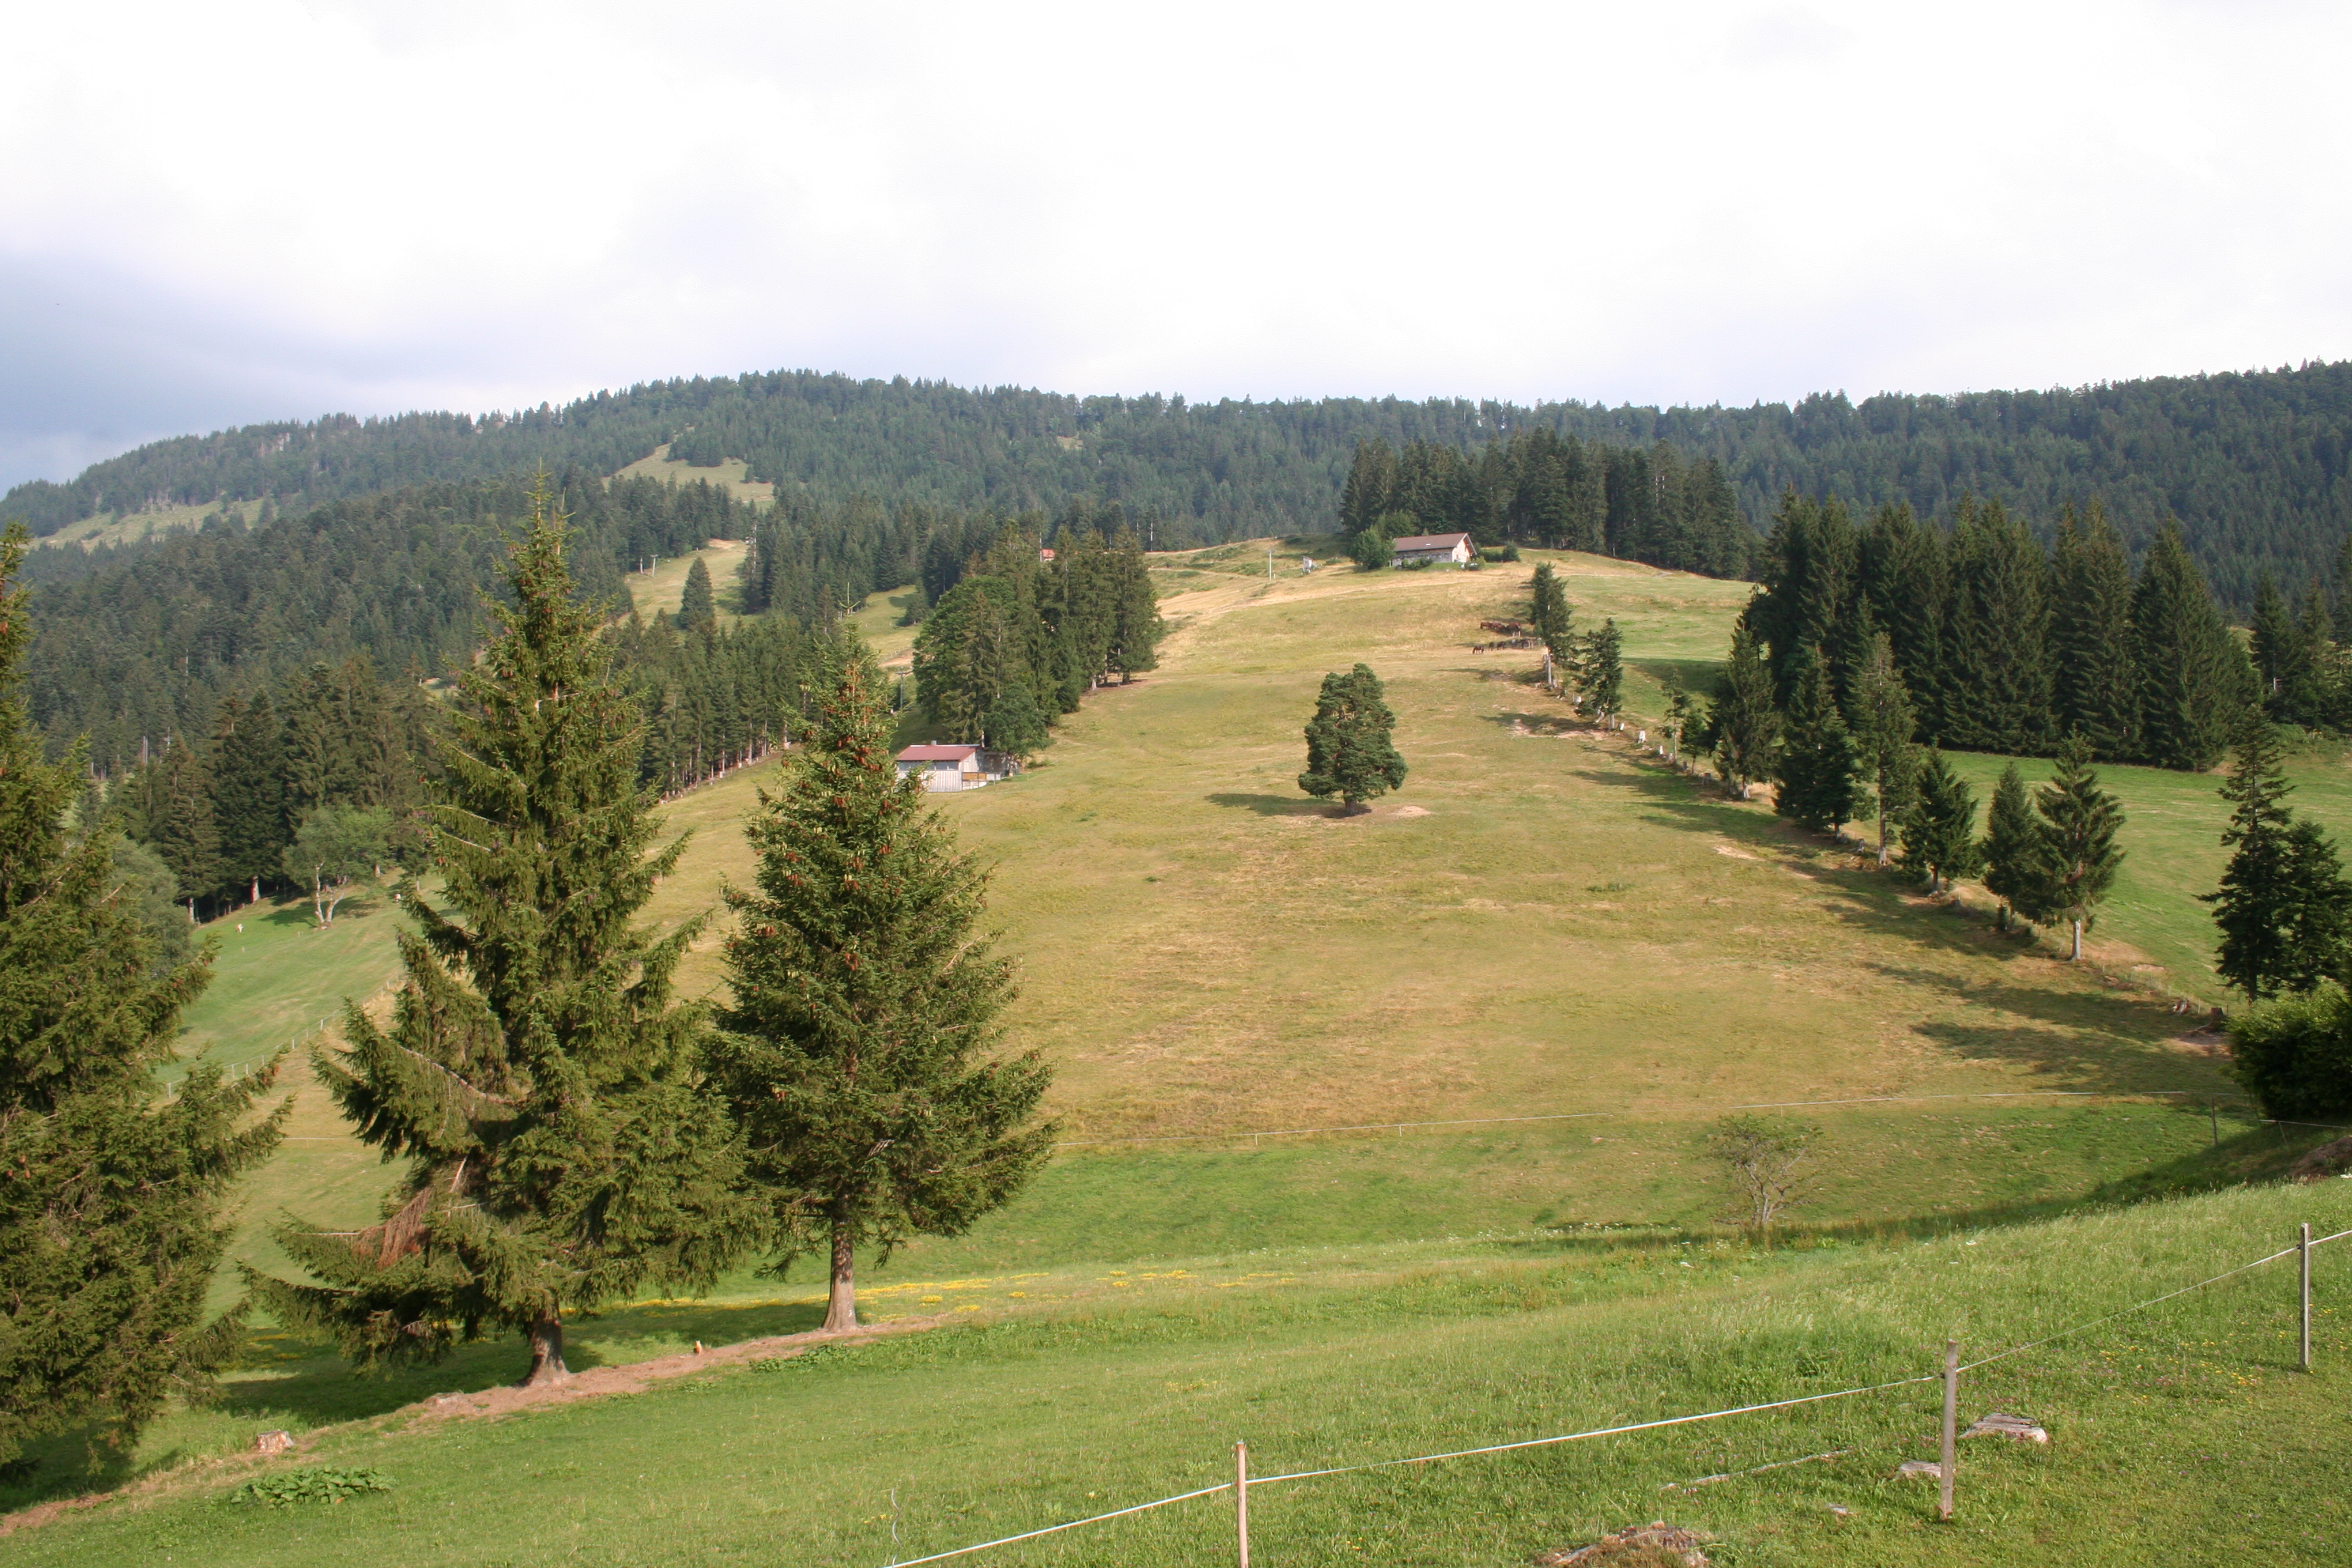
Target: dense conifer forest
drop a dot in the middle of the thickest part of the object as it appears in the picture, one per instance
(2253, 465)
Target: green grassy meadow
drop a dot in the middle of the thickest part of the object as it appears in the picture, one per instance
(1571, 952)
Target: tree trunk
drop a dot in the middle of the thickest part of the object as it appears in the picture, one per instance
(2077, 955)
(840, 1306)
(1881, 830)
(546, 1353)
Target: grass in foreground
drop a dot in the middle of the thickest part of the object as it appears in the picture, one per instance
(1038, 1412)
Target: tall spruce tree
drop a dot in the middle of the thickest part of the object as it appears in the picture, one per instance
(2094, 654)
(2015, 858)
(1744, 718)
(1821, 771)
(1548, 612)
(249, 793)
(2194, 680)
(539, 1076)
(1884, 720)
(1348, 752)
(697, 608)
(1939, 830)
(1996, 642)
(861, 1055)
(2284, 902)
(1903, 585)
(2079, 823)
(113, 1211)
(1602, 672)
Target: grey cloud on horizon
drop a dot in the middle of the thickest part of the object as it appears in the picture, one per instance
(1753, 201)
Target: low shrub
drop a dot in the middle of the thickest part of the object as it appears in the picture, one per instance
(2294, 1055)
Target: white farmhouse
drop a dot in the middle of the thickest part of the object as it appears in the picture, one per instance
(946, 769)
(1439, 549)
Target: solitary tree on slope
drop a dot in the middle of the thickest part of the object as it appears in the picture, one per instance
(1347, 749)
(860, 1056)
(2079, 823)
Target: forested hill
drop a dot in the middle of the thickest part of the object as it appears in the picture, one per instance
(2253, 465)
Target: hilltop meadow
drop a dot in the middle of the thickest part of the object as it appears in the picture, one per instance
(1381, 1136)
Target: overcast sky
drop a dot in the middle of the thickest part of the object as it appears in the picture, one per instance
(255, 209)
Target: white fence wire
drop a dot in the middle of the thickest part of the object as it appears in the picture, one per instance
(1252, 1482)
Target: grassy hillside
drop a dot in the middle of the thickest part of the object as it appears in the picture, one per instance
(1075, 1393)
(1543, 923)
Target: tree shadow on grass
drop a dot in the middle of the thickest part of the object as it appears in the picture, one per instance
(296, 1381)
(2090, 1040)
(1273, 805)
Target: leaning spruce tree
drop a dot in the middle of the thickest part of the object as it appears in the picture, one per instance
(1347, 749)
(113, 1207)
(539, 1077)
(860, 1055)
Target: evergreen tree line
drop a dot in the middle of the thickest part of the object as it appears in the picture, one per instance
(221, 807)
(1019, 640)
(144, 649)
(1553, 491)
(712, 699)
(2254, 466)
(1999, 643)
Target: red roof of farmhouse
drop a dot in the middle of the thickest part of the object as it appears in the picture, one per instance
(1429, 542)
(935, 754)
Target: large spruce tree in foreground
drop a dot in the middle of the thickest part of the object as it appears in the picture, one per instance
(860, 1055)
(539, 1077)
(1347, 750)
(112, 1198)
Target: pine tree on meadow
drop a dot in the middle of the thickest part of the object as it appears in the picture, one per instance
(114, 1209)
(1820, 770)
(1549, 616)
(2079, 823)
(2284, 902)
(1348, 752)
(2016, 869)
(698, 607)
(1602, 672)
(1939, 829)
(539, 1076)
(1884, 720)
(2093, 659)
(1746, 721)
(860, 1055)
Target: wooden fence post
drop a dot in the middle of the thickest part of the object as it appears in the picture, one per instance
(1241, 1503)
(2304, 1248)
(1951, 1426)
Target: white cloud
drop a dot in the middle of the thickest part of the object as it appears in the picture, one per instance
(261, 206)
